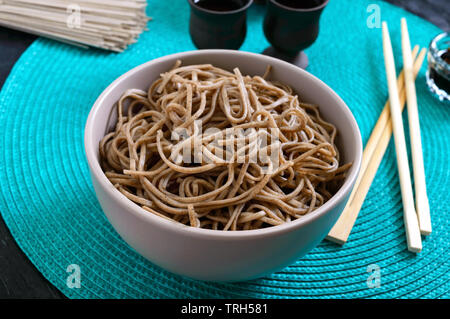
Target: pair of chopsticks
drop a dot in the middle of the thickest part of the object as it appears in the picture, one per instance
(390, 121)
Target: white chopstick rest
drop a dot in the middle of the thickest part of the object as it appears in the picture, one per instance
(413, 238)
(422, 205)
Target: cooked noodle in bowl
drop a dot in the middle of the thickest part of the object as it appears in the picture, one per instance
(217, 149)
(217, 170)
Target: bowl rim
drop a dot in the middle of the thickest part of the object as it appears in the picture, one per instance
(192, 3)
(293, 9)
(98, 174)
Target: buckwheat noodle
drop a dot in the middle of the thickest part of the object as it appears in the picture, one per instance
(143, 161)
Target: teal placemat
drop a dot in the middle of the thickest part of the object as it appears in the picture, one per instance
(48, 202)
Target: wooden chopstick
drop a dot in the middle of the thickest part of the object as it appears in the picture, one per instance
(372, 156)
(413, 238)
(383, 120)
(422, 205)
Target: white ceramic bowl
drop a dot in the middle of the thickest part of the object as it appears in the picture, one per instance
(212, 254)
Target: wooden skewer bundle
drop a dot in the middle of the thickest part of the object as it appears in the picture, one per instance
(106, 24)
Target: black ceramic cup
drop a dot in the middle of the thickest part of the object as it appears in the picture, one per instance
(291, 26)
(218, 24)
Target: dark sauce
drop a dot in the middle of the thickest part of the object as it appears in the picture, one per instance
(440, 80)
(301, 4)
(221, 5)
(446, 56)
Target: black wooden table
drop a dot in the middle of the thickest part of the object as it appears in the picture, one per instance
(18, 276)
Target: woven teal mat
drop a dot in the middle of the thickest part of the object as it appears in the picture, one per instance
(48, 202)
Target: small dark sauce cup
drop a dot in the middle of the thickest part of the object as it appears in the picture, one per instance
(218, 24)
(438, 73)
(291, 26)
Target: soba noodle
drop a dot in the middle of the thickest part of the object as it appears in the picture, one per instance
(189, 181)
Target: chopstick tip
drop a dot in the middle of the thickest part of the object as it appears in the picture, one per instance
(425, 232)
(385, 30)
(415, 249)
(404, 26)
(336, 239)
